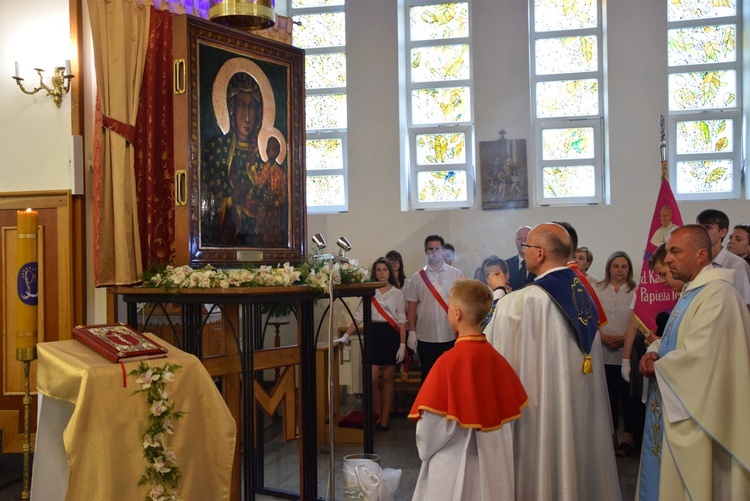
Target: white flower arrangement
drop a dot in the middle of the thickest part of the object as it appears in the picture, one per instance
(316, 275)
(162, 473)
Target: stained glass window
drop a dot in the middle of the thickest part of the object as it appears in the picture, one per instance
(321, 31)
(449, 104)
(438, 96)
(568, 100)
(686, 10)
(568, 144)
(569, 182)
(323, 154)
(704, 85)
(701, 45)
(325, 111)
(441, 62)
(566, 55)
(705, 136)
(441, 186)
(326, 191)
(325, 70)
(433, 149)
(302, 4)
(561, 15)
(704, 176)
(439, 21)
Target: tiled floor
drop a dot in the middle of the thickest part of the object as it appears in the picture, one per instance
(395, 447)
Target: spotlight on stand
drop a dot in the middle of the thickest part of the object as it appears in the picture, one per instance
(319, 241)
(344, 244)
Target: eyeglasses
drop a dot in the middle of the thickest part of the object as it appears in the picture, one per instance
(527, 246)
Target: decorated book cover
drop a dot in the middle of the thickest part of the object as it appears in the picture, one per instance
(118, 342)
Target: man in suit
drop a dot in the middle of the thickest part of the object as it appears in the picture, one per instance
(519, 276)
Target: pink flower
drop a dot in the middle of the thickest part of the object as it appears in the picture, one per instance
(157, 493)
(147, 378)
(160, 466)
(158, 407)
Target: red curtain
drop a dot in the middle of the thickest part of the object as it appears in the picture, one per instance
(154, 146)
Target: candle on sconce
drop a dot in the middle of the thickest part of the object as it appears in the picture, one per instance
(67, 66)
(18, 70)
(27, 285)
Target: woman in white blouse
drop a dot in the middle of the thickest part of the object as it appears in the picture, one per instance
(388, 338)
(615, 294)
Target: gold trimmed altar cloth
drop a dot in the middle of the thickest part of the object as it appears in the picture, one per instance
(103, 438)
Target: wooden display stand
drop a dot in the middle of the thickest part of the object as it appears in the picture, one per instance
(166, 322)
(245, 358)
(343, 435)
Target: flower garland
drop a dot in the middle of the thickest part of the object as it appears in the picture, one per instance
(315, 275)
(162, 473)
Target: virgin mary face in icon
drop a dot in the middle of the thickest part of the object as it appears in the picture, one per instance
(246, 114)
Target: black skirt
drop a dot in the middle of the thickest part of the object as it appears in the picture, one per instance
(385, 342)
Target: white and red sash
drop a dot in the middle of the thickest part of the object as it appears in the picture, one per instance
(433, 290)
(385, 314)
(436, 294)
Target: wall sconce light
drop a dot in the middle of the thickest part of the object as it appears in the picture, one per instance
(60, 82)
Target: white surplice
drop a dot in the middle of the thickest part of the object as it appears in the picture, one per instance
(463, 464)
(562, 442)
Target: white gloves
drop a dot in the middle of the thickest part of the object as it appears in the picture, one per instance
(401, 353)
(411, 341)
(625, 370)
(342, 339)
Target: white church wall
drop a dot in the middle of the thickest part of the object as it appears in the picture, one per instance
(637, 96)
(34, 134)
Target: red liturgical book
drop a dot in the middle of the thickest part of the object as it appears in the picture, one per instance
(118, 342)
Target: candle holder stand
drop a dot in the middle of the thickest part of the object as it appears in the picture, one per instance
(26, 355)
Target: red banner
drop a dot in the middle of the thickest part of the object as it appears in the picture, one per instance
(653, 297)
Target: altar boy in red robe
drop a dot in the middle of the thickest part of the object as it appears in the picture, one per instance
(465, 408)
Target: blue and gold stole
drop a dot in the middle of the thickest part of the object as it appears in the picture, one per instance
(569, 294)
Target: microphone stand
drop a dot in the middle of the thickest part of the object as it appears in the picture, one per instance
(330, 258)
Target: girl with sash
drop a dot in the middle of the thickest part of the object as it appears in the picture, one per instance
(389, 338)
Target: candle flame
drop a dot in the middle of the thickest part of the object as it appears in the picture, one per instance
(28, 210)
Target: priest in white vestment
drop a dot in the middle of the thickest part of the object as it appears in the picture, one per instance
(702, 369)
(563, 441)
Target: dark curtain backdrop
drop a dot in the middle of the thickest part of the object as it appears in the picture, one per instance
(154, 146)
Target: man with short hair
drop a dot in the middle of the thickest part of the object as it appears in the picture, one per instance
(696, 444)
(430, 334)
(548, 333)
(519, 274)
(716, 223)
